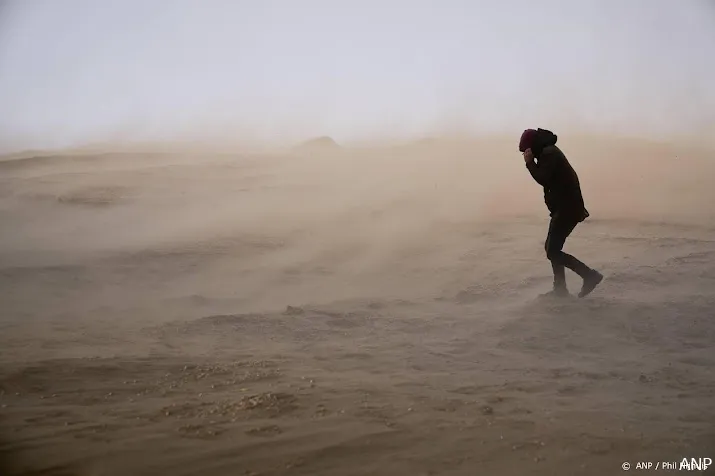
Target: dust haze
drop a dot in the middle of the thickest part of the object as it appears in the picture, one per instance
(254, 261)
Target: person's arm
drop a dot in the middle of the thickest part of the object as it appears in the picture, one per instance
(544, 169)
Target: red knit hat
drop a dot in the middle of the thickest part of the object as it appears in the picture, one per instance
(527, 139)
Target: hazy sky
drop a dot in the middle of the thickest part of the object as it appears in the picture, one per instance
(75, 71)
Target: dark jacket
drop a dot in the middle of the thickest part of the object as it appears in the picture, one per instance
(551, 169)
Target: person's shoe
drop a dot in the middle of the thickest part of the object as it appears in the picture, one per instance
(590, 282)
(557, 293)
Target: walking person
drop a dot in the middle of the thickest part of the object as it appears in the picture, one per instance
(562, 193)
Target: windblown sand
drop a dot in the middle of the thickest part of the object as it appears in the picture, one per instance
(352, 312)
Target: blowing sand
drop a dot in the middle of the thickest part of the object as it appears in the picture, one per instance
(352, 312)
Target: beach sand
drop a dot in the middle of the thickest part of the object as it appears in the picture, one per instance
(352, 311)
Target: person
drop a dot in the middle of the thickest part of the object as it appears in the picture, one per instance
(562, 193)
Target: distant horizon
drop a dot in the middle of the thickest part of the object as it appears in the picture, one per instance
(221, 147)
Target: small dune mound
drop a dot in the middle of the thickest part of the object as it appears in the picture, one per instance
(94, 196)
(319, 144)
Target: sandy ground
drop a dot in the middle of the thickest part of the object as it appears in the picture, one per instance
(352, 312)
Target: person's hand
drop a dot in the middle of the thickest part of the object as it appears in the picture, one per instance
(528, 155)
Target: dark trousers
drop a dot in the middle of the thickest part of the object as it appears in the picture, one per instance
(559, 229)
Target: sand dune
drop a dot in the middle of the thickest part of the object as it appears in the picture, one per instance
(357, 311)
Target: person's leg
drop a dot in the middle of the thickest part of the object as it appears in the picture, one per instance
(574, 264)
(559, 230)
(559, 275)
(555, 239)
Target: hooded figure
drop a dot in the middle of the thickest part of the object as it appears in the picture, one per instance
(562, 193)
